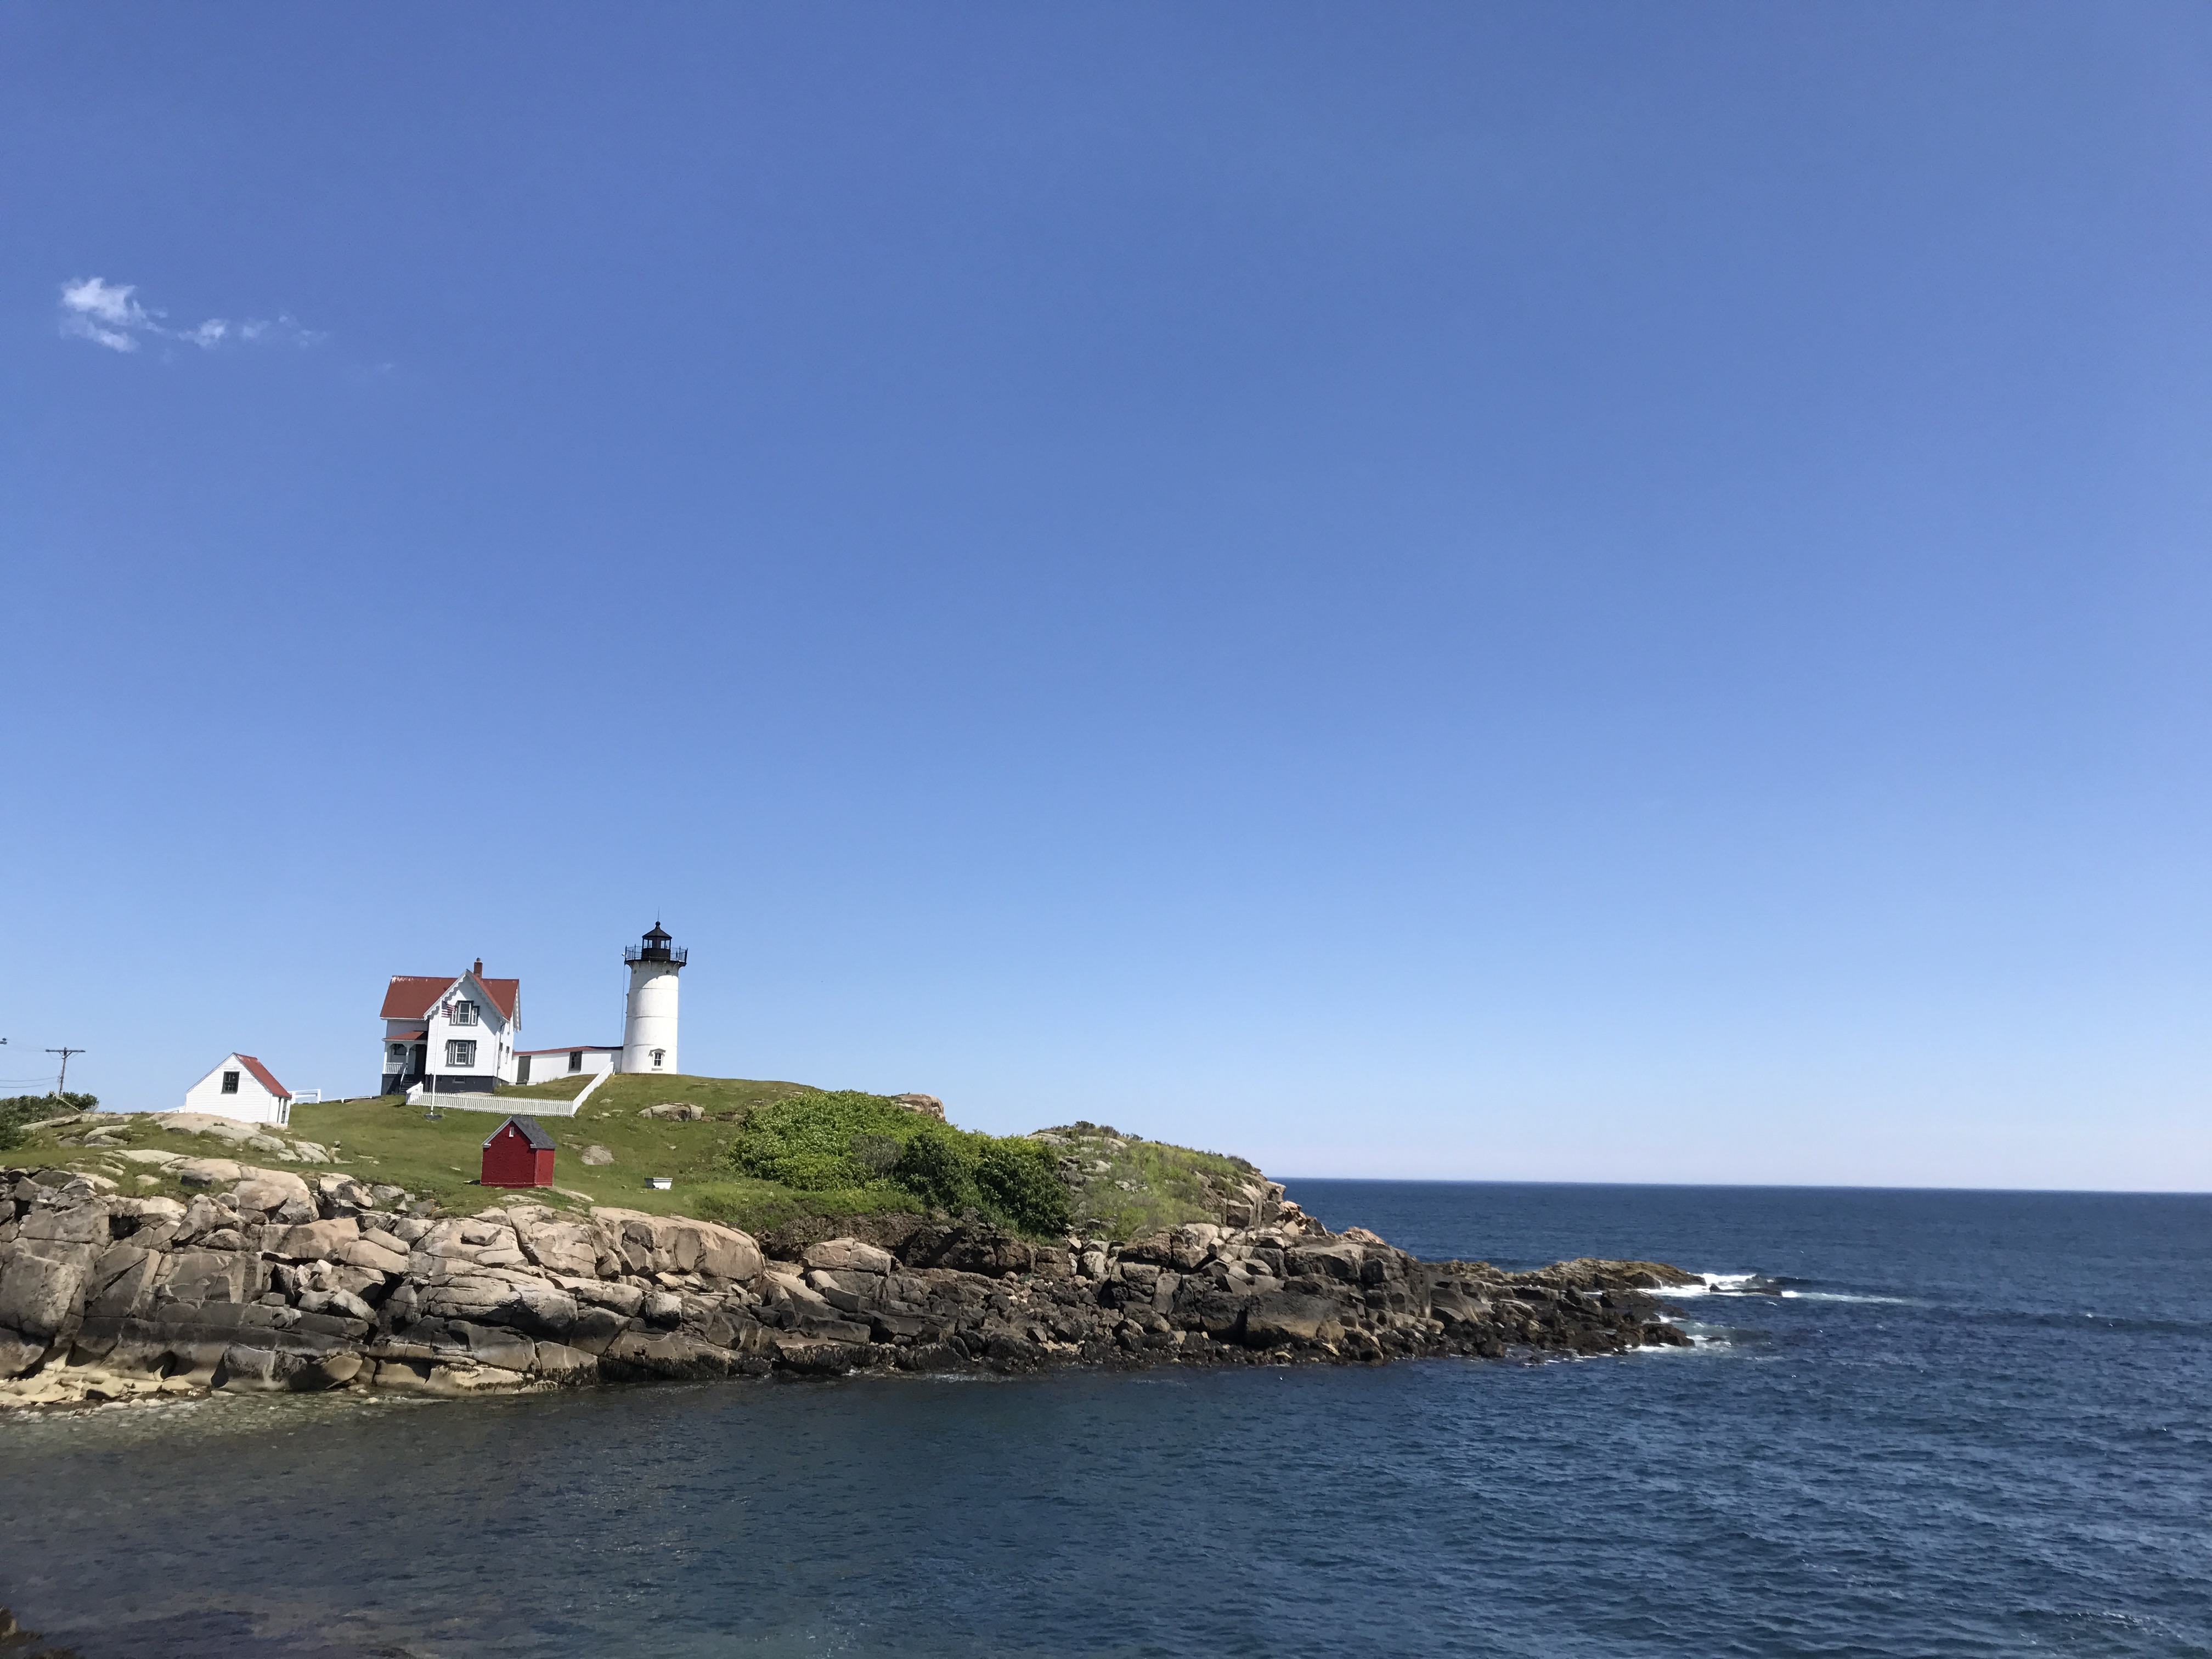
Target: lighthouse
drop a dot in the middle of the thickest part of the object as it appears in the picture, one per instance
(649, 1016)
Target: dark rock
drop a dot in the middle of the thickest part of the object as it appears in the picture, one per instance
(42, 1289)
(558, 1362)
(494, 1344)
(1336, 1260)
(332, 1372)
(594, 1328)
(889, 1231)
(1009, 1351)
(817, 1356)
(904, 1327)
(962, 1247)
(1199, 1307)
(121, 1287)
(1287, 1318)
(832, 1330)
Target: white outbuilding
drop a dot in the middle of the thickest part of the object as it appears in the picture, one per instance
(577, 1059)
(241, 1086)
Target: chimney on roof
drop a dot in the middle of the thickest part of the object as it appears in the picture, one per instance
(479, 969)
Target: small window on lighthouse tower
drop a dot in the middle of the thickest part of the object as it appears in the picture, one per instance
(657, 1055)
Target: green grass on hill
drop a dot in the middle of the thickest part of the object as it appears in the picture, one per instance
(1123, 1186)
(386, 1139)
(629, 1091)
(381, 1139)
(557, 1087)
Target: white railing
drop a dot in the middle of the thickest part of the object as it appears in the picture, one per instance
(420, 1095)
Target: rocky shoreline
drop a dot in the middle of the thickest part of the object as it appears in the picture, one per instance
(264, 1282)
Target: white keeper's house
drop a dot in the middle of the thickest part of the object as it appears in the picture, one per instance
(241, 1086)
(454, 1036)
(457, 1037)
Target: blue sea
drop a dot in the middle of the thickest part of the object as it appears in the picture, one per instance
(1953, 1424)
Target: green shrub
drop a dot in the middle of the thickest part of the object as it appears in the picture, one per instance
(864, 1147)
(816, 1142)
(876, 1153)
(1018, 1183)
(937, 1169)
(19, 1109)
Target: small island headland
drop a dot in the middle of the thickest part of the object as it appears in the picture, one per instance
(326, 1265)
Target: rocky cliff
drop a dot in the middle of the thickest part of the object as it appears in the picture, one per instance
(262, 1281)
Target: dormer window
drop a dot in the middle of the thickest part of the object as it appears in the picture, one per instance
(465, 1013)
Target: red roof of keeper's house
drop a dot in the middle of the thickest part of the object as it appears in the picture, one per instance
(265, 1077)
(410, 996)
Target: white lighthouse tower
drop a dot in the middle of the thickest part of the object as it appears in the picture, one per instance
(649, 1016)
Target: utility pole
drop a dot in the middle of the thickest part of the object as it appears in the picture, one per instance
(61, 1087)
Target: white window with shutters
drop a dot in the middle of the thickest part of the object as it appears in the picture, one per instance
(459, 1052)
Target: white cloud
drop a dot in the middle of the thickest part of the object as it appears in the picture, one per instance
(279, 331)
(104, 300)
(108, 314)
(103, 313)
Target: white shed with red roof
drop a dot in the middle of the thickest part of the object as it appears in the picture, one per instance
(241, 1086)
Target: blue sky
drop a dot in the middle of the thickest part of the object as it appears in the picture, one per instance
(1555, 593)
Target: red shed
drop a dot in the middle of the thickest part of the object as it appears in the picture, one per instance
(518, 1153)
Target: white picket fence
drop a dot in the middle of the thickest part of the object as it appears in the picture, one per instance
(419, 1095)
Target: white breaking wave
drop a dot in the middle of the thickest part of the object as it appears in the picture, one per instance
(1759, 1285)
(1841, 1296)
(1714, 1285)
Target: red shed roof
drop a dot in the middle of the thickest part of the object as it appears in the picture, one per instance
(529, 1128)
(410, 996)
(265, 1077)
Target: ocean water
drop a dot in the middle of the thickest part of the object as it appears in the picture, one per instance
(1964, 1424)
